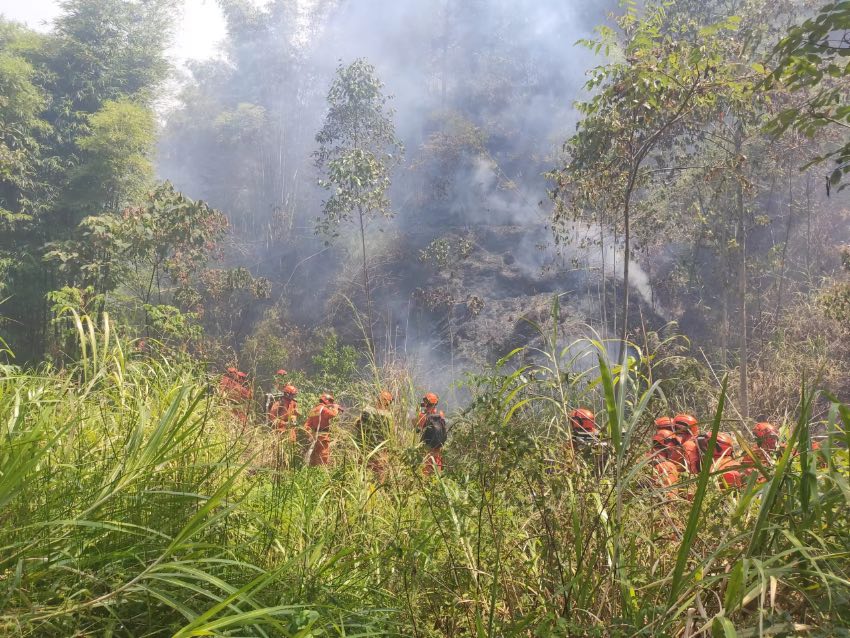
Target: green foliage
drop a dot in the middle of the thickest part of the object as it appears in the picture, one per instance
(357, 148)
(667, 77)
(76, 131)
(169, 236)
(336, 364)
(109, 50)
(116, 167)
(812, 61)
(269, 348)
(20, 125)
(139, 264)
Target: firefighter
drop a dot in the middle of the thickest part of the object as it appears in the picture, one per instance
(235, 390)
(665, 468)
(283, 412)
(583, 427)
(318, 426)
(663, 423)
(373, 427)
(764, 451)
(723, 459)
(431, 425)
(686, 429)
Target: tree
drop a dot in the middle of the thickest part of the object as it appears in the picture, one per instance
(116, 168)
(357, 150)
(150, 255)
(76, 126)
(812, 60)
(665, 76)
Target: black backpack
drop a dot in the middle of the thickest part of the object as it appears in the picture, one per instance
(434, 434)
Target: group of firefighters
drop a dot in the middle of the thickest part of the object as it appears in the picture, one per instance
(372, 426)
(678, 448)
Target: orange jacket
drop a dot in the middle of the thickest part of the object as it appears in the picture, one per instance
(233, 390)
(283, 412)
(666, 473)
(319, 418)
(731, 476)
(691, 456)
(422, 417)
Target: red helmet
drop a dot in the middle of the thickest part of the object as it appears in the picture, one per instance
(430, 399)
(664, 439)
(326, 397)
(724, 443)
(664, 423)
(583, 420)
(290, 390)
(685, 424)
(765, 430)
(385, 399)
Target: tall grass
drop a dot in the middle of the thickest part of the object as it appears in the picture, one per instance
(131, 504)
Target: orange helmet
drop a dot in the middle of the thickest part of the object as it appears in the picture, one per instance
(764, 430)
(385, 398)
(231, 371)
(664, 423)
(664, 439)
(685, 424)
(326, 397)
(583, 420)
(430, 399)
(290, 390)
(280, 373)
(724, 443)
(242, 375)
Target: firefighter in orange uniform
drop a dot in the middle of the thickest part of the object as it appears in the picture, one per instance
(318, 426)
(583, 428)
(686, 429)
(431, 425)
(663, 423)
(234, 388)
(764, 451)
(373, 427)
(666, 470)
(723, 459)
(284, 411)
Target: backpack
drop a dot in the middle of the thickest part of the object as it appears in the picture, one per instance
(434, 434)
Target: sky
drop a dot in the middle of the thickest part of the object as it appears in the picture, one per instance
(198, 32)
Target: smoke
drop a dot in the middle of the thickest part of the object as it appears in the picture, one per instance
(482, 92)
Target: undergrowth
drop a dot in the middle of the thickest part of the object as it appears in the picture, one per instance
(132, 503)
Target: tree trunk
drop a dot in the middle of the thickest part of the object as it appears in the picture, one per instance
(627, 256)
(742, 293)
(724, 330)
(782, 260)
(370, 336)
(808, 229)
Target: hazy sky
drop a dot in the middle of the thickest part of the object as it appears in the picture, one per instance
(198, 31)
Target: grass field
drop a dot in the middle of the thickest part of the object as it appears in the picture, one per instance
(133, 504)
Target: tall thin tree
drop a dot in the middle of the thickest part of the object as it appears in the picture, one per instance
(357, 149)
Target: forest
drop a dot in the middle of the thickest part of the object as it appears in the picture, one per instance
(427, 318)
